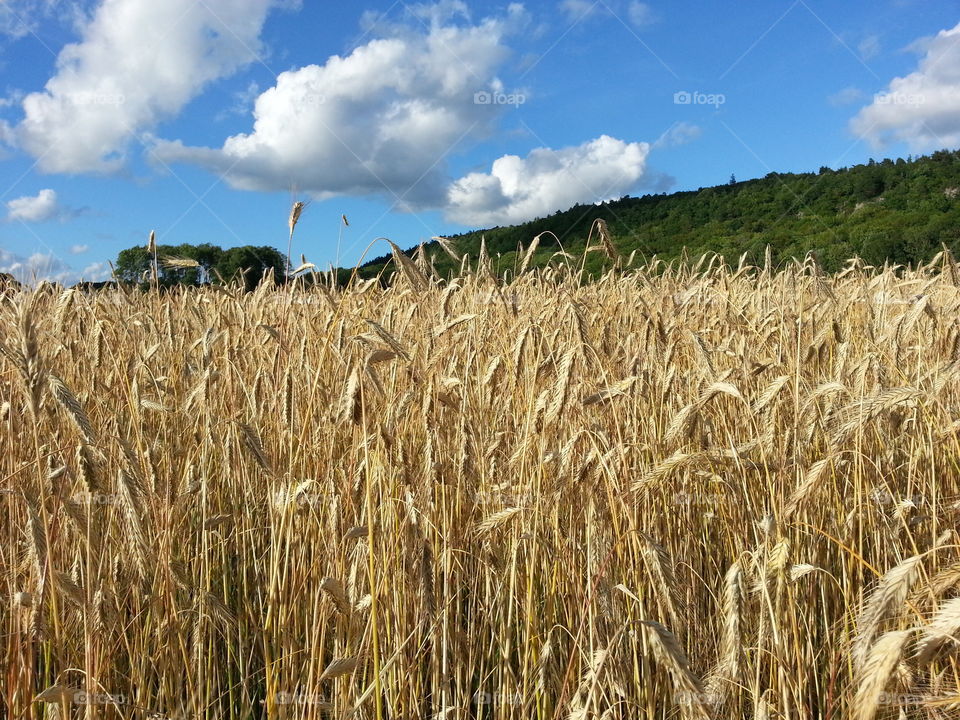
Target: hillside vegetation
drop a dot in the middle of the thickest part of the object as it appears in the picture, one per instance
(687, 492)
(900, 211)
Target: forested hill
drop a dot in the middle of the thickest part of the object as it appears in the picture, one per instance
(897, 210)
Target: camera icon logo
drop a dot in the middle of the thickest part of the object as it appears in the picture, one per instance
(682, 98)
(482, 97)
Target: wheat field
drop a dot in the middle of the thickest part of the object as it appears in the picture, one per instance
(695, 491)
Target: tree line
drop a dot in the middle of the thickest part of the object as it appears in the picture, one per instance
(901, 211)
(198, 265)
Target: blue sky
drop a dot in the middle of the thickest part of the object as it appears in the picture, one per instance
(204, 120)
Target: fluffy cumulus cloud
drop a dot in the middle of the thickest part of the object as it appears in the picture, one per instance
(922, 108)
(46, 266)
(35, 208)
(138, 61)
(380, 120)
(518, 189)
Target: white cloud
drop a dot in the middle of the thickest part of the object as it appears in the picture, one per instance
(14, 98)
(518, 189)
(19, 18)
(923, 108)
(78, 249)
(869, 47)
(242, 102)
(846, 96)
(576, 10)
(37, 208)
(679, 133)
(95, 272)
(36, 267)
(641, 14)
(47, 266)
(379, 120)
(138, 61)
(6, 138)
(638, 14)
(378, 24)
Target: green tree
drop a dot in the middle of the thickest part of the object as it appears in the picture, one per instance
(200, 264)
(249, 265)
(133, 264)
(207, 257)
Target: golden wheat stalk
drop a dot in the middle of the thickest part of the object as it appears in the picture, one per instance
(888, 596)
(879, 663)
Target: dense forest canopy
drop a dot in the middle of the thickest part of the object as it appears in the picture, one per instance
(896, 210)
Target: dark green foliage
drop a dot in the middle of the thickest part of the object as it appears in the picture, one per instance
(251, 264)
(247, 264)
(898, 211)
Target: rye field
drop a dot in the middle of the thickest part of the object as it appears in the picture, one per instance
(692, 491)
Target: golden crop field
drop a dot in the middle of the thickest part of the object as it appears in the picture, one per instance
(703, 491)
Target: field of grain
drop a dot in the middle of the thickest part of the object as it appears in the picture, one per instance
(689, 492)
